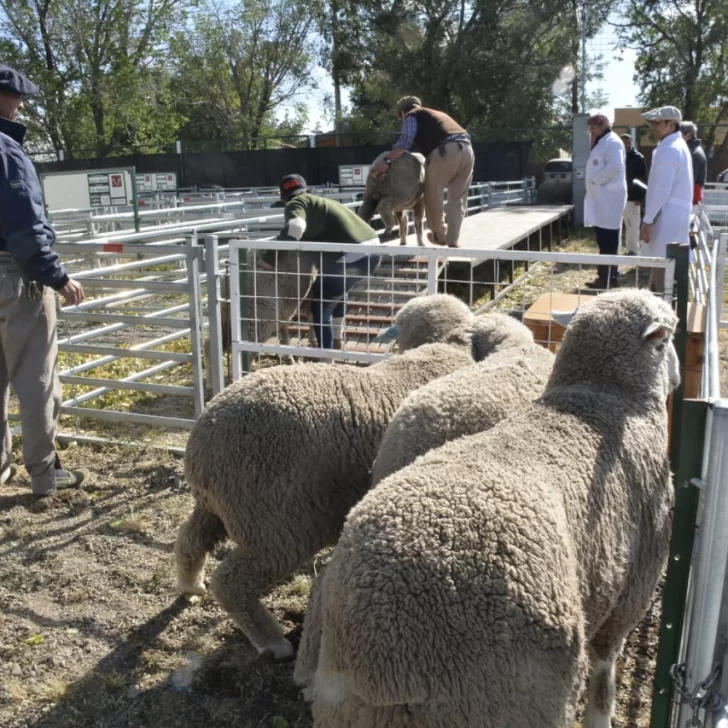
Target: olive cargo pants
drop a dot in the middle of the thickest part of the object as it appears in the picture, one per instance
(454, 170)
(28, 354)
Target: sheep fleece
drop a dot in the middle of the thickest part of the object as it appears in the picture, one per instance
(469, 400)
(284, 454)
(486, 566)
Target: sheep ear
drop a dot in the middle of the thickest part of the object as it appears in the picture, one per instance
(389, 334)
(656, 330)
(563, 318)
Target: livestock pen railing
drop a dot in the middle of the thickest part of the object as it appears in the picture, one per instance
(509, 280)
(76, 224)
(701, 670)
(714, 209)
(139, 331)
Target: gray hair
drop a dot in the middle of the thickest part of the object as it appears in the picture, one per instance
(687, 127)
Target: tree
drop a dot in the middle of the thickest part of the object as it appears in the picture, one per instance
(236, 65)
(98, 63)
(491, 64)
(682, 48)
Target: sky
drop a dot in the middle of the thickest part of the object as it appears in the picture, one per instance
(617, 83)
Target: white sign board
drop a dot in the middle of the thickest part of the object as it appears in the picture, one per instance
(353, 175)
(156, 182)
(87, 188)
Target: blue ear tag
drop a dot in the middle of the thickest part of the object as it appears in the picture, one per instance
(391, 332)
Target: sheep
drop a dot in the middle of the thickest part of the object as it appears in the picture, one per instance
(511, 370)
(402, 188)
(469, 400)
(483, 583)
(277, 459)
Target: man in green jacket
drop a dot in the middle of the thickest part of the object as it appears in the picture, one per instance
(324, 220)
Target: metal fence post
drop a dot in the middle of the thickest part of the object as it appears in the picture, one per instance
(678, 568)
(710, 568)
(722, 243)
(215, 366)
(243, 300)
(194, 253)
(432, 275)
(686, 454)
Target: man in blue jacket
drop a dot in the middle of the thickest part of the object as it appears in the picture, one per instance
(30, 275)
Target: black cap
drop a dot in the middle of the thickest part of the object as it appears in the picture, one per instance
(11, 80)
(291, 184)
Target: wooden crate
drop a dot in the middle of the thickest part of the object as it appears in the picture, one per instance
(538, 318)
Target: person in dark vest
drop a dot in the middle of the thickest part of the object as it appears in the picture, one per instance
(632, 216)
(449, 153)
(689, 133)
(31, 273)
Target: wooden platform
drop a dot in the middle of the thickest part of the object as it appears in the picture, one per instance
(503, 227)
(373, 304)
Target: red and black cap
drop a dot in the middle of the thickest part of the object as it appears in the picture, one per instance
(291, 184)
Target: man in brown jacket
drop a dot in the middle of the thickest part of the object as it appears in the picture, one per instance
(449, 153)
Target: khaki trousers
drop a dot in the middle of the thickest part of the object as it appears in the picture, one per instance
(28, 358)
(454, 170)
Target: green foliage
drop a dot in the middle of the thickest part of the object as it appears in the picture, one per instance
(100, 65)
(682, 59)
(490, 65)
(235, 66)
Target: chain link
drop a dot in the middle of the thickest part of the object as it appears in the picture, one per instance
(700, 698)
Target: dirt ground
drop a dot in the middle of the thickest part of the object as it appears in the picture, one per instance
(93, 634)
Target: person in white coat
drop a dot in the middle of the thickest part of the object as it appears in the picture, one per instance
(606, 194)
(669, 199)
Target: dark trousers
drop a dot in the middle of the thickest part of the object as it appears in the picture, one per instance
(608, 242)
(328, 297)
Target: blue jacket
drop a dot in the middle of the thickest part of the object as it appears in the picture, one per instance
(25, 232)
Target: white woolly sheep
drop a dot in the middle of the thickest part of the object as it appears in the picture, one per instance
(469, 400)
(476, 586)
(402, 188)
(513, 372)
(277, 460)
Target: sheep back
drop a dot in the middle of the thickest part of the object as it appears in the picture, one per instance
(469, 400)
(311, 424)
(452, 570)
(496, 331)
(403, 184)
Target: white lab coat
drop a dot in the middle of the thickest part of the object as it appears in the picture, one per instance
(606, 184)
(669, 200)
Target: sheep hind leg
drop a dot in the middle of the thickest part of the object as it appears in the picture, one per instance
(197, 537)
(403, 221)
(419, 214)
(601, 693)
(310, 647)
(238, 582)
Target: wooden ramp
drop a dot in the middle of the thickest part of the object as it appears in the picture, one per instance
(373, 304)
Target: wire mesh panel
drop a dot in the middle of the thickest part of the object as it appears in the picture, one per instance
(277, 289)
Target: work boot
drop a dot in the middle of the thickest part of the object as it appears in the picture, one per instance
(338, 344)
(70, 478)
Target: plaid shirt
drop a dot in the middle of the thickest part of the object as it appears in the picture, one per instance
(408, 133)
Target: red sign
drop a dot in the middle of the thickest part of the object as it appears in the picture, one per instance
(113, 247)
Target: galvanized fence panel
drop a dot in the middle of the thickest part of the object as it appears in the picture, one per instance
(503, 279)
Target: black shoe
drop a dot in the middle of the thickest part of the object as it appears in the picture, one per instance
(596, 284)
